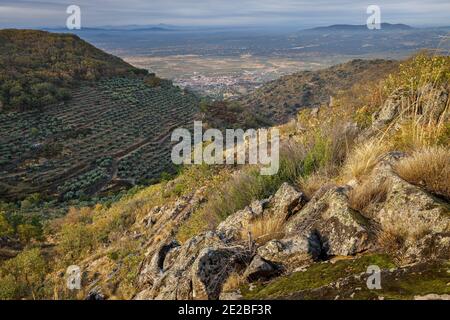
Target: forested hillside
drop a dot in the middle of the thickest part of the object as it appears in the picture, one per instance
(39, 68)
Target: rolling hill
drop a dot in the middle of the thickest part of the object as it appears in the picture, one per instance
(39, 68)
(281, 99)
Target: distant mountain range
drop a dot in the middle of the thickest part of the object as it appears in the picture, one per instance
(126, 28)
(350, 27)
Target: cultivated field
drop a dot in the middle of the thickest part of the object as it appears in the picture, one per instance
(111, 133)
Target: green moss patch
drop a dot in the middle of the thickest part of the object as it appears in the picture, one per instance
(316, 276)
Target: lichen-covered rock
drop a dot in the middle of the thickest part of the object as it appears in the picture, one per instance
(341, 230)
(196, 270)
(231, 228)
(260, 269)
(293, 252)
(155, 268)
(407, 206)
(388, 111)
(429, 247)
(421, 218)
(286, 201)
(434, 101)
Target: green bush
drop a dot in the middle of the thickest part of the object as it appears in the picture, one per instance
(23, 276)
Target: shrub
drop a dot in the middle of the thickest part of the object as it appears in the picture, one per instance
(75, 241)
(318, 156)
(428, 168)
(28, 232)
(420, 70)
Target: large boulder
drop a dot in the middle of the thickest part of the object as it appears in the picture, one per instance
(260, 269)
(422, 219)
(293, 252)
(231, 228)
(286, 202)
(342, 231)
(389, 110)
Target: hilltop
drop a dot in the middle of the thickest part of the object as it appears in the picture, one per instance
(38, 67)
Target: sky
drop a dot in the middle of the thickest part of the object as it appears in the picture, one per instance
(294, 13)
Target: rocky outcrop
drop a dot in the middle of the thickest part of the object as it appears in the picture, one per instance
(390, 109)
(431, 101)
(326, 226)
(231, 228)
(286, 202)
(195, 270)
(260, 269)
(422, 219)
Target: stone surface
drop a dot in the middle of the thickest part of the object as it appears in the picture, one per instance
(291, 253)
(341, 230)
(286, 201)
(422, 218)
(260, 269)
(231, 228)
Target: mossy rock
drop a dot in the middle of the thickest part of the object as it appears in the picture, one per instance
(316, 276)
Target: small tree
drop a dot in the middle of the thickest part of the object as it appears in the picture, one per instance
(5, 228)
(27, 232)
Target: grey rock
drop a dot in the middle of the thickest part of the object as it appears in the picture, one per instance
(197, 269)
(260, 269)
(292, 252)
(286, 201)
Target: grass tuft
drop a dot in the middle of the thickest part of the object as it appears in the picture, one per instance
(428, 168)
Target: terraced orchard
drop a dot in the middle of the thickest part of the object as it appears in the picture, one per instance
(112, 133)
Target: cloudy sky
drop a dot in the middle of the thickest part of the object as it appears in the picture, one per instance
(294, 13)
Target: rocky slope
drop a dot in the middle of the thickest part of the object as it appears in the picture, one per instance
(324, 242)
(366, 187)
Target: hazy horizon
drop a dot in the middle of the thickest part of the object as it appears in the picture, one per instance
(219, 13)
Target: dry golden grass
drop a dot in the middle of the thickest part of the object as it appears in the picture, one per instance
(233, 282)
(428, 168)
(363, 159)
(368, 193)
(311, 184)
(264, 229)
(391, 239)
(423, 122)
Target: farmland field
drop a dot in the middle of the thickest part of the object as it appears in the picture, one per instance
(111, 133)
